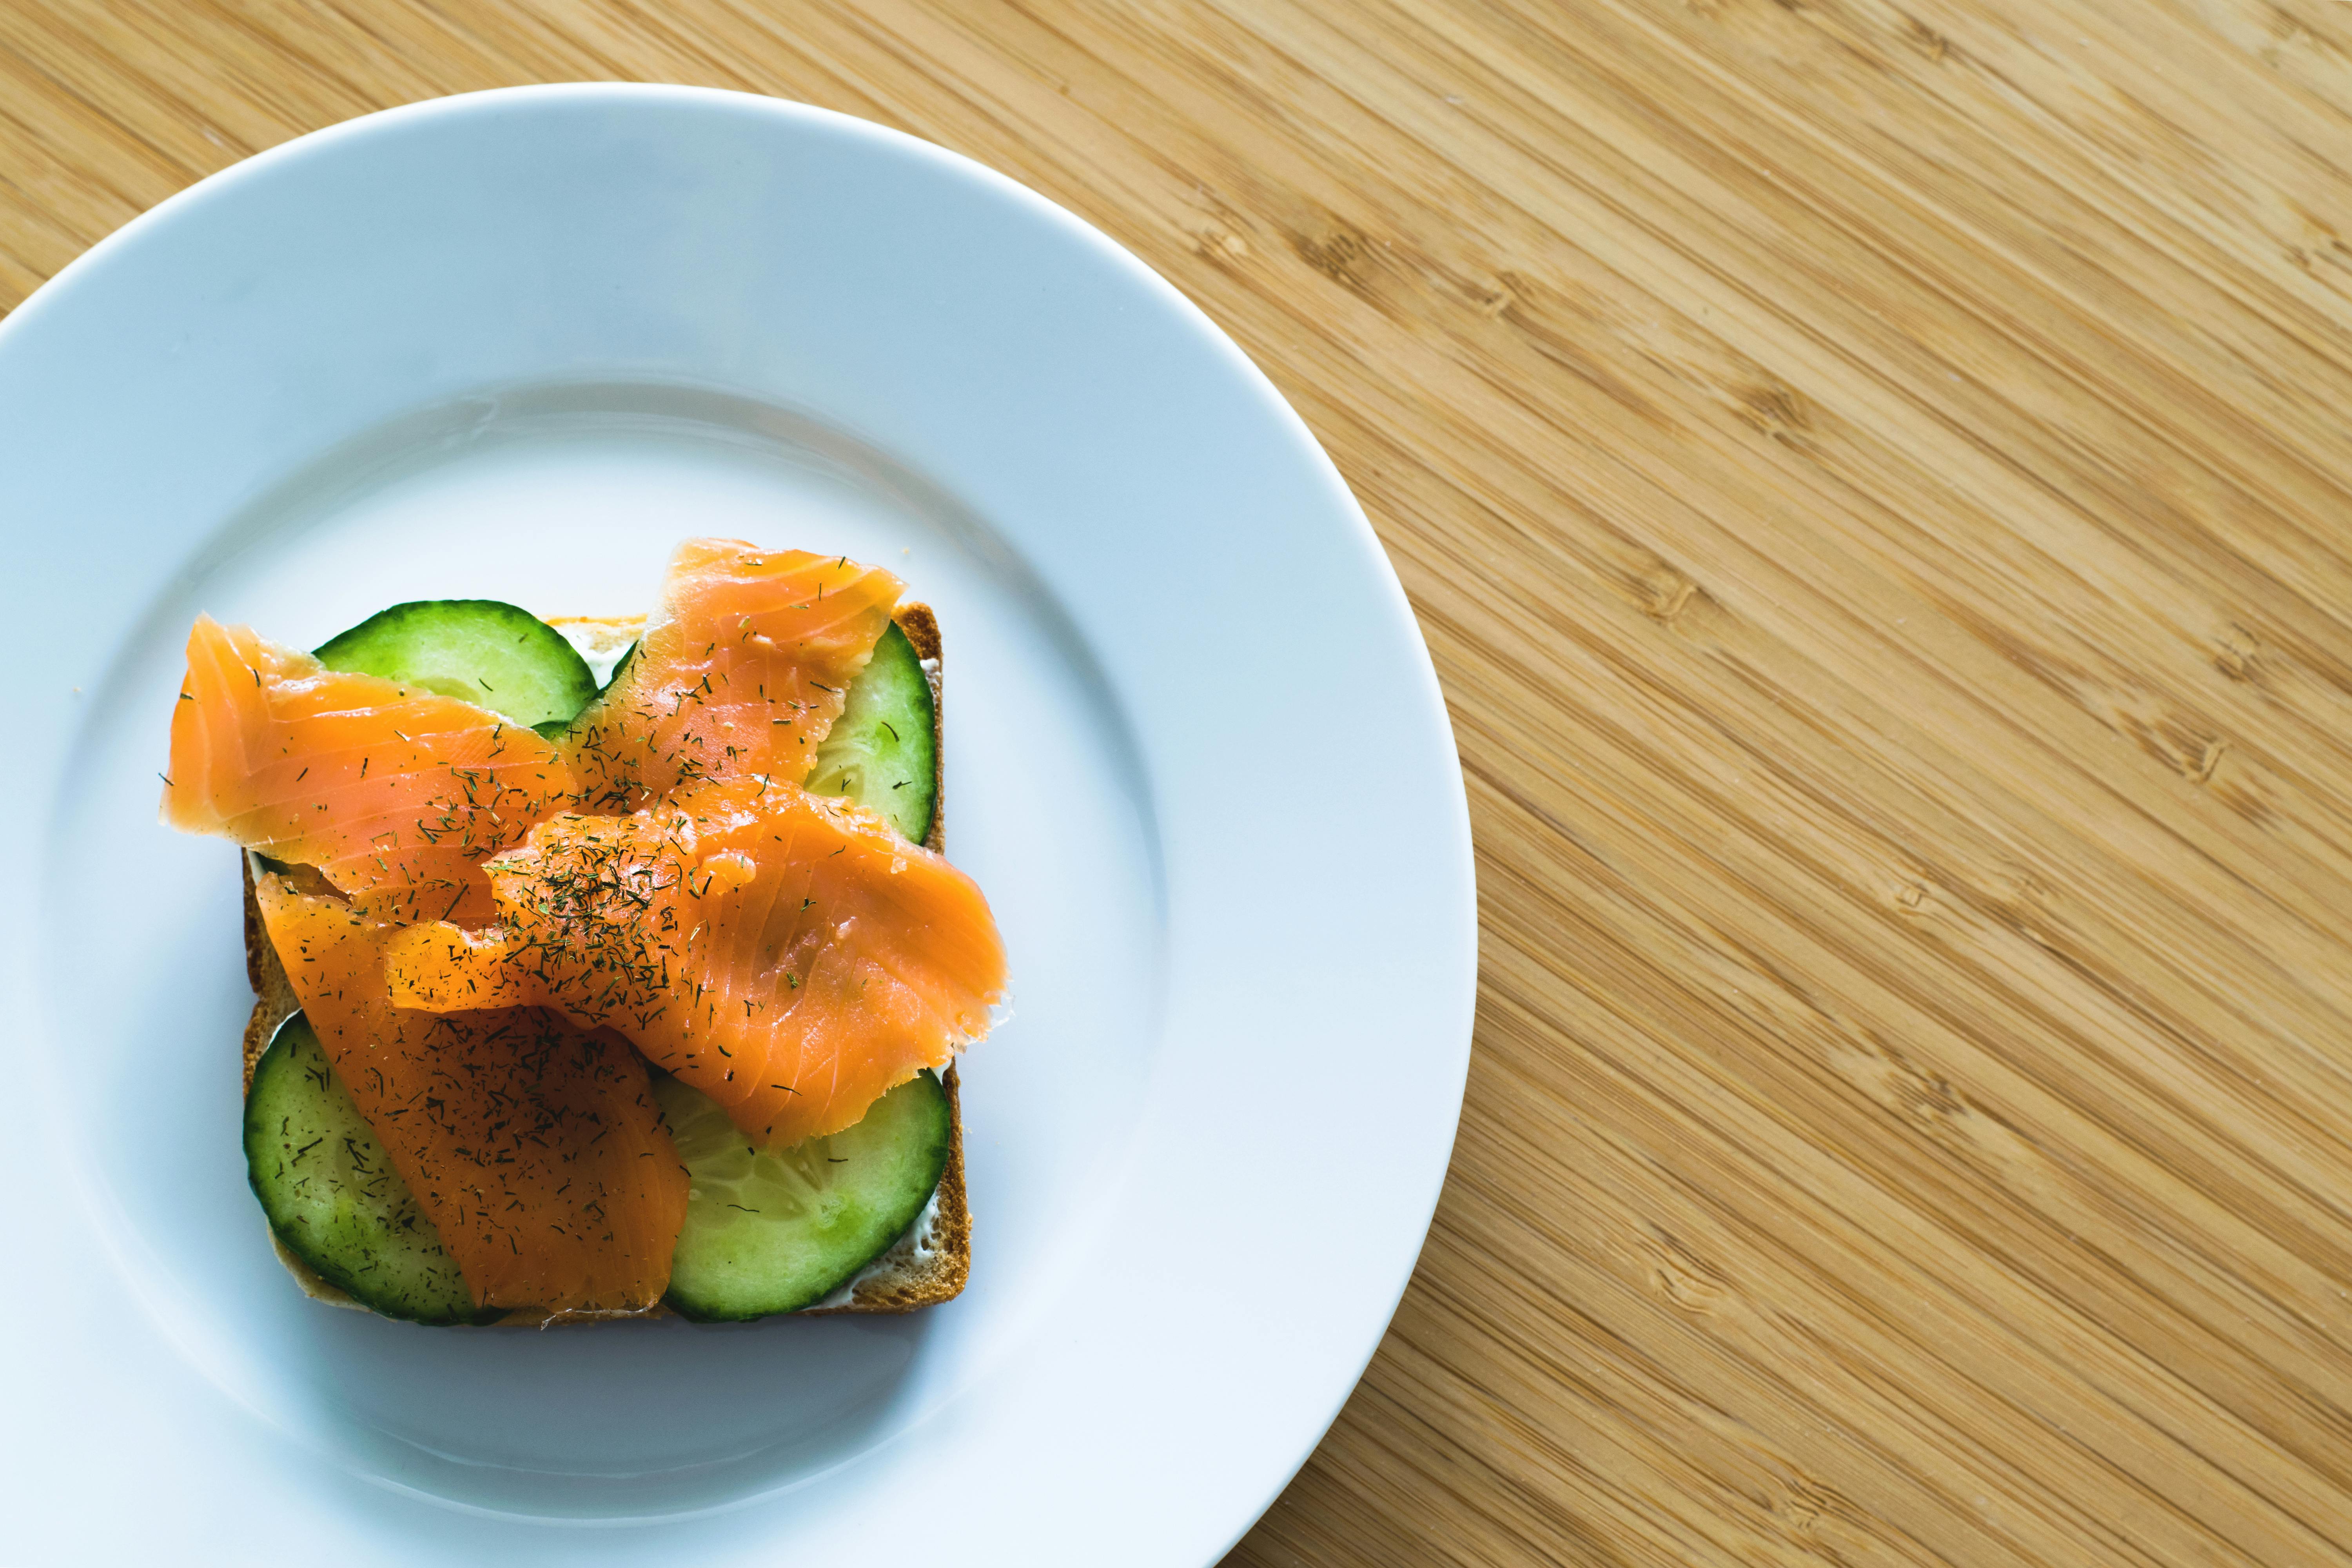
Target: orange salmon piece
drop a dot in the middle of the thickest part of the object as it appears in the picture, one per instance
(742, 669)
(394, 793)
(788, 954)
(535, 1148)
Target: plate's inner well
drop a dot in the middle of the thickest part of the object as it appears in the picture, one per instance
(566, 499)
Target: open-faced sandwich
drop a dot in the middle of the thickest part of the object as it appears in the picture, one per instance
(586, 994)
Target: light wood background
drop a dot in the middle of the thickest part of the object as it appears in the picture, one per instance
(1873, 477)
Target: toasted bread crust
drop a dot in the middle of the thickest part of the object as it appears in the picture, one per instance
(920, 1271)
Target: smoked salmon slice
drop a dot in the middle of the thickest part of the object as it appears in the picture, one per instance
(742, 669)
(394, 793)
(535, 1148)
(789, 956)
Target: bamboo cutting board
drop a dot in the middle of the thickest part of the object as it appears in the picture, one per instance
(1873, 477)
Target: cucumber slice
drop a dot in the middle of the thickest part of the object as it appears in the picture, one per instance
(556, 731)
(628, 657)
(505, 658)
(883, 752)
(331, 1195)
(778, 1231)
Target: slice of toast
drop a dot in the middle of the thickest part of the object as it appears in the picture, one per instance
(928, 1264)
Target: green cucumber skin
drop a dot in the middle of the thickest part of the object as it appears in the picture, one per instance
(872, 1182)
(329, 1190)
(628, 657)
(883, 752)
(485, 651)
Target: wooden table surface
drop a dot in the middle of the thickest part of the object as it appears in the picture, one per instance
(1871, 476)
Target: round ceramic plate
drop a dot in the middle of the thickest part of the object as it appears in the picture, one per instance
(515, 346)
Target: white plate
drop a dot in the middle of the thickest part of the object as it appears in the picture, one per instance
(514, 346)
